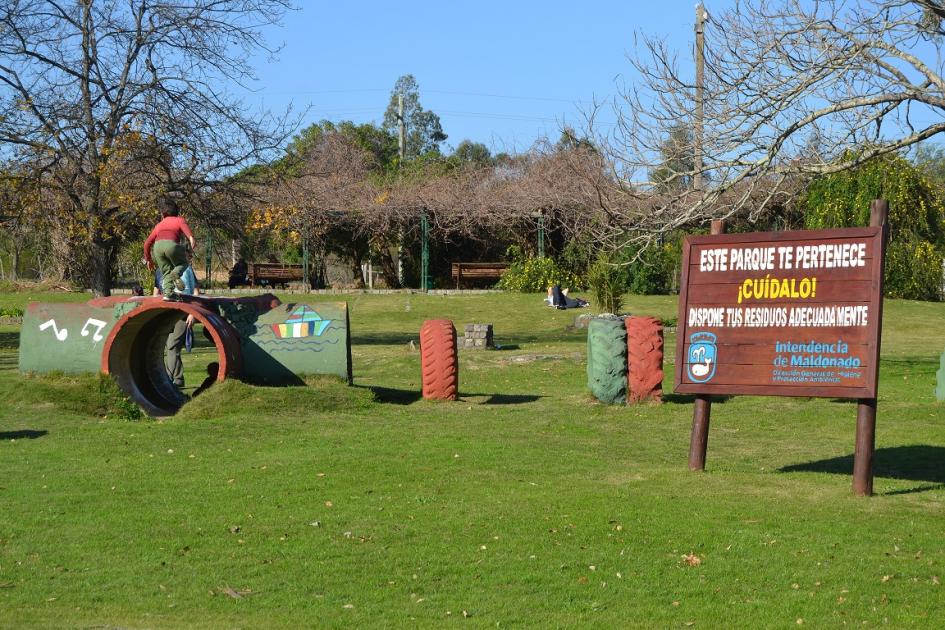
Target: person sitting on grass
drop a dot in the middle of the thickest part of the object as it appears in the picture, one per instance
(163, 246)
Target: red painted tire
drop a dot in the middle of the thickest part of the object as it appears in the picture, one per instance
(644, 359)
(439, 362)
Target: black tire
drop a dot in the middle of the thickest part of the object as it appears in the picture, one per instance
(607, 360)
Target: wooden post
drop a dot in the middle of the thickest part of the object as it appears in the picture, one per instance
(699, 441)
(866, 407)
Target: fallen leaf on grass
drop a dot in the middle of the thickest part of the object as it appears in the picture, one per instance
(692, 559)
(236, 594)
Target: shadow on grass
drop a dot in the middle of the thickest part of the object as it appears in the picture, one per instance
(24, 434)
(9, 360)
(508, 399)
(688, 399)
(385, 338)
(9, 341)
(917, 462)
(392, 396)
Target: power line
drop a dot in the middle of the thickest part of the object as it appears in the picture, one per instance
(429, 91)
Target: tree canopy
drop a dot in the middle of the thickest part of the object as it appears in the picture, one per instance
(424, 132)
(792, 89)
(83, 84)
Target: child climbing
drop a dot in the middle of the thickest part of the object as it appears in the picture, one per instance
(163, 246)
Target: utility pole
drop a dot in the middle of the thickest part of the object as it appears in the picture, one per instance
(402, 151)
(424, 253)
(702, 410)
(402, 137)
(701, 16)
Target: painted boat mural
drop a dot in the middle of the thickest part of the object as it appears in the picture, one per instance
(303, 322)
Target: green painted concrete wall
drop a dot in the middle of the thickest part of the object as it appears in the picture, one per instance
(64, 337)
(293, 340)
(279, 346)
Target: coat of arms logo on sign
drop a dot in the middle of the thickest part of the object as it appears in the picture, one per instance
(702, 357)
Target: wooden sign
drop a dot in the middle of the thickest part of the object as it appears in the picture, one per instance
(781, 313)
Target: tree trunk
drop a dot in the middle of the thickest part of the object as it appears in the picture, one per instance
(357, 271)
(389, 267)
(100, 263)
(15, 263)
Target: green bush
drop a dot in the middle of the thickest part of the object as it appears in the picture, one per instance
(531, 275)
(608, 280)
(653, 271)
(916, 219)
(11, 311)
(576, 259)
(913, 271)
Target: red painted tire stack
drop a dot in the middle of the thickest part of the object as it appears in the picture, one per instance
(644, 359)
(439, 362)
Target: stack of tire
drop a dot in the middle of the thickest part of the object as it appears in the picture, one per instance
(644, 359)
(607, 360)
(439, 362)
(625, 359)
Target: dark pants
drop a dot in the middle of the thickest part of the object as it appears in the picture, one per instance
(171, 259)
(175, 343)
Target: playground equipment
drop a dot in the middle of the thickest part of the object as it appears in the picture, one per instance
(644, 359)
(625, 359)
(256, 338)
(439, 363)
(607, 360)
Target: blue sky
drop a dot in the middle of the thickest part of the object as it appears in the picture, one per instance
(502, 73)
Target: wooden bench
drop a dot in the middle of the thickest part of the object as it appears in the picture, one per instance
(273, 274)
(477, 271)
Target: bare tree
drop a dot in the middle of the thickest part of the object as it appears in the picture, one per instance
(77, 77)
(793, 89)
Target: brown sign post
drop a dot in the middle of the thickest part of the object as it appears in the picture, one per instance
(794, 313)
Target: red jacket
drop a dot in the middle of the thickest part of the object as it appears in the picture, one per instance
(169, 229)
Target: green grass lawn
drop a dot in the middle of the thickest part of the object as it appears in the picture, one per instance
(523, 504)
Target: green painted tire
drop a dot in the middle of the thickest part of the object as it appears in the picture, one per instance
(607, 360)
